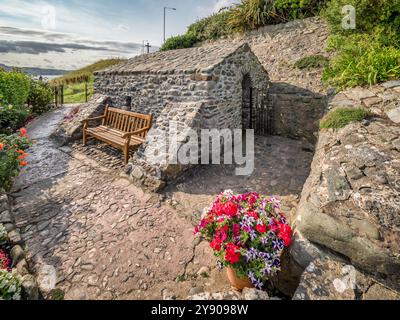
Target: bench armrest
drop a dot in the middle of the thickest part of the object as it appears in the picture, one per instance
(129, 134)
(86, 121)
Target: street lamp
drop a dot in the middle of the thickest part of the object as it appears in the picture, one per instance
(165, 9)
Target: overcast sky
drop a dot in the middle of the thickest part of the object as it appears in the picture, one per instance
(69, 34)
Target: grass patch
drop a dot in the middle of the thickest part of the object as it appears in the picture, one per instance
(75, 93)
(341, 117)
(313, 61)
(85, 73)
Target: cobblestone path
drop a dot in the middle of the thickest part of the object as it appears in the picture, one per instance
(92, 235)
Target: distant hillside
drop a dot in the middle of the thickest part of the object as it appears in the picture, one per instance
(36, 71)
(86, 73)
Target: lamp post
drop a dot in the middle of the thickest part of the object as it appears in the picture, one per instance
(165, 10)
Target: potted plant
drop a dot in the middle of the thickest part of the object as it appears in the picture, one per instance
(248, 234)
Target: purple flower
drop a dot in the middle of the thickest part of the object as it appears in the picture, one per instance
(258, 284)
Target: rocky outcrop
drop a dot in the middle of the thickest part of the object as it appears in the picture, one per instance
(334, 280)
(381, 100)
(246, 294)
(351, 201)
(71, 128)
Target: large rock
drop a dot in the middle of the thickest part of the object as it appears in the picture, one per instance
(351, 201)
(71, 128)
(294, 261)
(247, 294)
(334, 280)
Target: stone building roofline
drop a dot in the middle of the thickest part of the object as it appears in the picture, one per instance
(193, 60)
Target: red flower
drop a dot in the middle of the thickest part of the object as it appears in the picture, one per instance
(5, 262)
(274, 226)
(230, 209)
(261, 228)
(236, 230)
(22, 156)
(23, 132)
(216, 245)
(232, 253)
(285, 233)
(253, 215)
(1, 146)
(218, 209)
(23, 163)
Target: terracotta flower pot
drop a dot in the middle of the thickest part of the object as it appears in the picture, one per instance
(238, 283)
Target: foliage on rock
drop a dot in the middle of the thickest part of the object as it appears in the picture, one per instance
(179, 42)
(341, 117)
(10, 286)
(312, 61)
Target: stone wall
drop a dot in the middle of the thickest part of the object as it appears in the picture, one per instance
(151, 92)
(298, 97)
(147, 168)
(351, 201)
(296, 111)
(30, 290)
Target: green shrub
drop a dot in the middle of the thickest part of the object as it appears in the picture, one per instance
(369, 14)
(341, 117)
(11, 117)
(14, 87)
(313, 61)
(40, 97)
(12, 157)
(10, 286)
(179, 42)
(213, 27)
(361, 59)
(252, 14)
(297, 9)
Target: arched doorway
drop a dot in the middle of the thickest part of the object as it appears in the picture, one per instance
(247, 103)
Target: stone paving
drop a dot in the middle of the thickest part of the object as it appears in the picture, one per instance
(93, 235)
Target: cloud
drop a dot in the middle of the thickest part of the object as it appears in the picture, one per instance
(32, 47)
(222, 4)
(122, 27)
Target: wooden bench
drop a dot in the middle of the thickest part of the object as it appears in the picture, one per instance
(119, 128)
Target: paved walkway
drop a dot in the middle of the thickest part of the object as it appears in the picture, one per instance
(107, 239)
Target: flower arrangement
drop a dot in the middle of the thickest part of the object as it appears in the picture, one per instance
(5, 262)
(12, 156)
(248, 233)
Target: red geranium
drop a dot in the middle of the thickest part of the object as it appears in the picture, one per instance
(261, 228)
(216, 245)
(253, 215)
(285, 233)
(5, 262)
(232, 253)
(230, 209)
(23, 132)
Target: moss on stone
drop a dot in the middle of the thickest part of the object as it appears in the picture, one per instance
(312, 61)
(341, 117)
